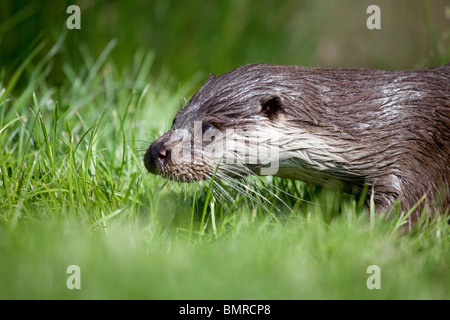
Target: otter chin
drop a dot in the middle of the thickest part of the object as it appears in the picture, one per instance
(344, 128)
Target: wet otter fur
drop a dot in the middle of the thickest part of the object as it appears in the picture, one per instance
(347, 128)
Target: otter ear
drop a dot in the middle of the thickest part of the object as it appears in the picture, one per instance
(271, 106)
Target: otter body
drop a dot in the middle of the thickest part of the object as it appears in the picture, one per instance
(347, 128)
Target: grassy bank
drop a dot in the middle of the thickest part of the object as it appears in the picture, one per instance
(303, 259)
(79, 108)
(74, 192)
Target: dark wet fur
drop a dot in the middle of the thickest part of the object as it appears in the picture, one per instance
(392, 125)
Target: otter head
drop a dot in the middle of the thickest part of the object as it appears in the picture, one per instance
(251, 120)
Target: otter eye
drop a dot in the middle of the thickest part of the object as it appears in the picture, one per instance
(207, 127)
(271, 106)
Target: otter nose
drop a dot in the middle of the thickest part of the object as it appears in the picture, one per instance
(156, 156)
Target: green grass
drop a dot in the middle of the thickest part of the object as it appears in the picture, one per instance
(76, 116)
(73, 190)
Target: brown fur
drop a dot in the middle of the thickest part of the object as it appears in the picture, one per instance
(391, 127)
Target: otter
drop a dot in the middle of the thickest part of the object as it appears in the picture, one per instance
(347, 128)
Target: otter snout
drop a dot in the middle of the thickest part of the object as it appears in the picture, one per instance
(156, 157)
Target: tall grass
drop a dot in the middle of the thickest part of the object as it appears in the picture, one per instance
(73, 190)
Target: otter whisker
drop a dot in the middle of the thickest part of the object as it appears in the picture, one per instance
(246, 189)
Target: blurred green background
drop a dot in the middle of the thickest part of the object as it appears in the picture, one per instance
(79, 103)
(194, 37)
